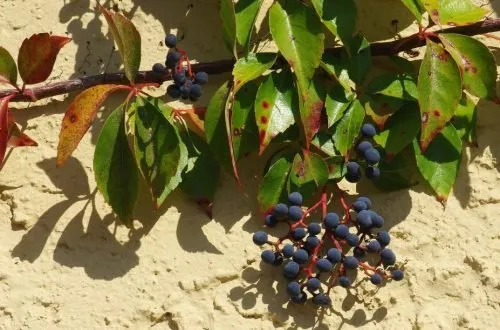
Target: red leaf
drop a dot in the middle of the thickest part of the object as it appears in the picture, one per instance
(79, 116)
(37, 56)
(18, 138)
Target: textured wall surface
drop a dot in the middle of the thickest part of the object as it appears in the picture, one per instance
(65, 264)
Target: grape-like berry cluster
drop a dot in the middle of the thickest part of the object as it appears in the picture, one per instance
(369, 154)
(319, 255)
(187, 85)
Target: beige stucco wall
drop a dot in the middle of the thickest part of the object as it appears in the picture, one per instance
(64, 264)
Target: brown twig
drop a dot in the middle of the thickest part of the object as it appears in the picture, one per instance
(224, 66)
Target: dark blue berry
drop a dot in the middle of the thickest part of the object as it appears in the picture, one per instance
(358, 252)
(172, 59)
(260, 238)
(312, 242)
(201, 78)
(279, 259)
(376, 279)
(293, 289)
(324, 265)
(158, 68)
(170, 40)
(397, 274)
(352, 239)
(268, 257)
(383, 238)
(288, 250)
(377, 220)
(351, 263)
(295, 198)
(366, 200)
(332, 220)
(372, 172)
(174, 91)
(195, 92)
(185, 89)
(313, 284)
(180, 78)
(295, 213)
(291, 270)
(344, 281)
(341, 231)
(359, 206)
(300, 299)
(301, 256)
(314, 228)
(364, 220)
(388, 257)
(353, 168)
(368, 130)
(334, 255)
(353, 178)
(321, 299)
(363, 146)
(299, 233)
(271, 221)
(372, 156)
(280, 210)
(374, 246)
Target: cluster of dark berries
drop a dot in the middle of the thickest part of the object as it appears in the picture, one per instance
(322, 254)
(186, 84)
(369, 154)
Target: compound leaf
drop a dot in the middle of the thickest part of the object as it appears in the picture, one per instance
(37, 56)
(454, 12)
(115, 169)
(243, 127)
(273, 183)
(338, 16)
(251, 67)
(246, 15)
(440, 90)
(8, 69)
(348, 128)
(228, 17)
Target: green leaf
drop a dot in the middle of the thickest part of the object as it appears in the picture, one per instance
(440, 90)
(396, 85)
(454, 12)
(274, 106)
(324, 142)
(244, 129)
(399, 172)
(465, 120)
(415, 8)
(8, 68)
(360, 61)
(439, 163)
(127, 39)
(160, 153)
(337, 101)
(476, 64)
(307, 174)
(336, 168)
(337, 68)
(338, 16)
(348, 128)
(246, 15)
(251, 67)
(116, 173)
(228, 16)
(297, 32)
(273, 183)
(202, 174)
(400, 131)
(312, 102)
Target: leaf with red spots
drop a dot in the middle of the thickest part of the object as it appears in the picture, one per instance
(308, 173)
(465, 119)
(37, 56)
(476, 64)
(127, 39)
(116, 173)
(440, 161)
(251, 67)
(244, 129)
(440, 90)
(454, 12)
(246, 15)
(272, 185)
(78, 118)
(228, 16)
(297, 31)
(400, 131)
(381, 107)
(201, 177)
(395, 85)
(337, 101)
(160, 154)
(312, 103)
(8, 69)
(338, 16)
(274, 106)
(347, 129)
(415, 7)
